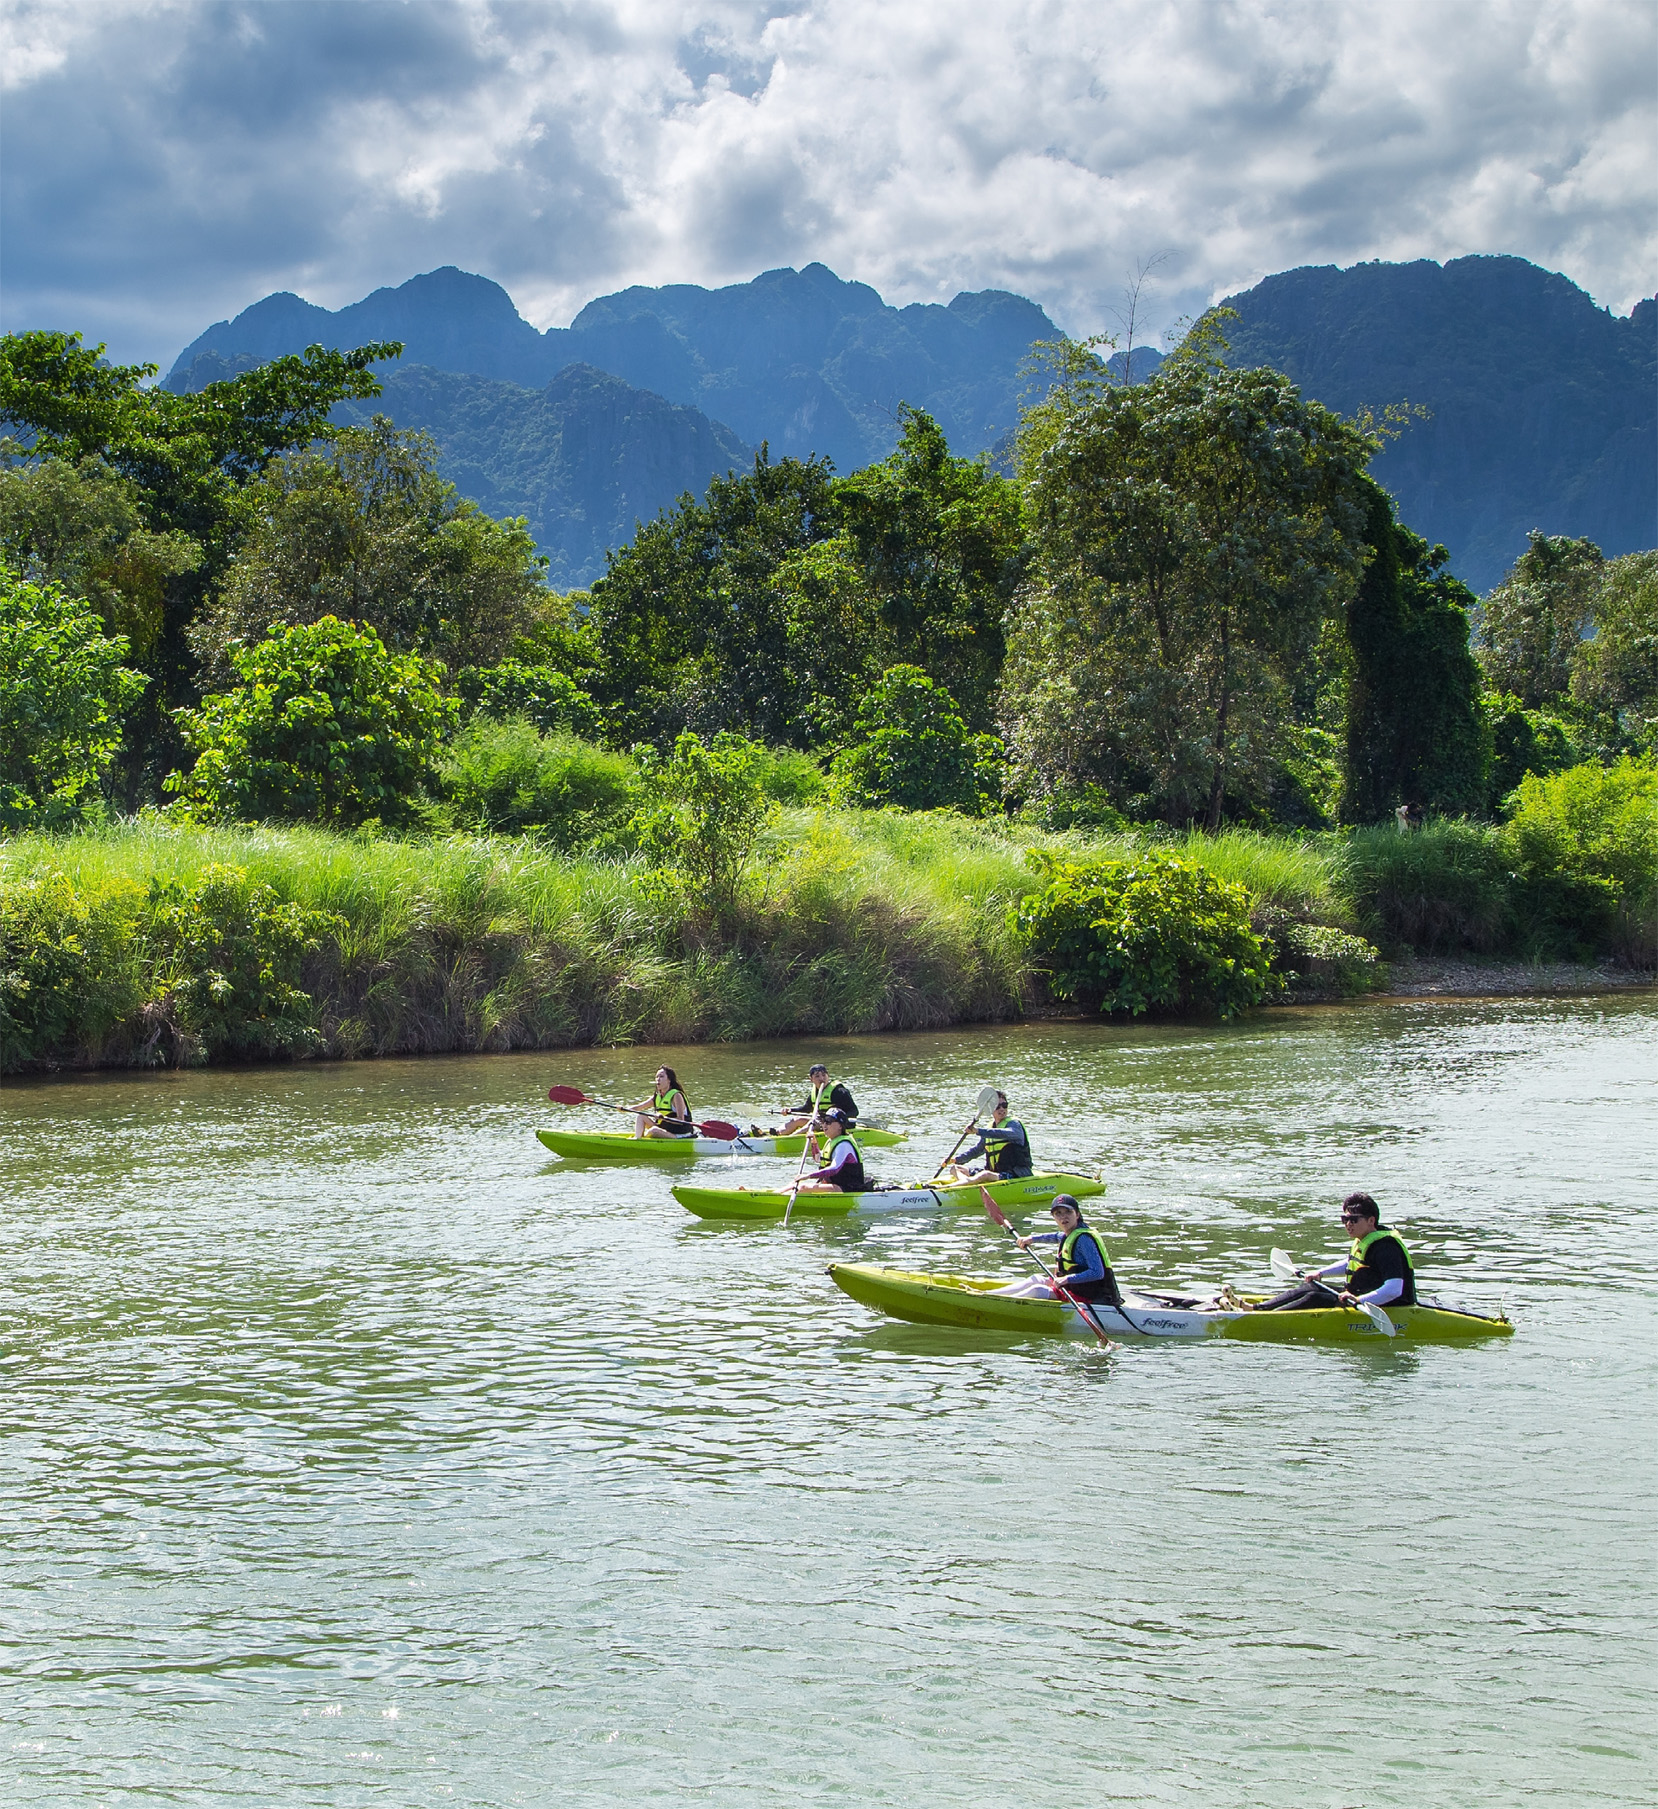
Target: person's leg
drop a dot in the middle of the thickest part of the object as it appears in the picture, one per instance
(1036, 1288)
(1303, 1297)
(641, 1124)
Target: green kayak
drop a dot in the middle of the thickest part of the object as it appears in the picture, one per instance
(743, 1203)
(622, 1146)
(971, 1301)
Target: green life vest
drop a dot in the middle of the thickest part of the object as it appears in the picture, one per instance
(1355, 1256)
(852, 1178)
(665, 1113)
(1068, 1264)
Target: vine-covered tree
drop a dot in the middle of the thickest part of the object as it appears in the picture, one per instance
(1415, 732)
(1531, 625)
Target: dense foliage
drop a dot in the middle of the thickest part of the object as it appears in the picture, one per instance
(1156, 933)
(63, 691)
(324, 726)
(911, 747)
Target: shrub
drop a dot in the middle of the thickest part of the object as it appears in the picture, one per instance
(703, 824)
(1524, 741)
(548, 699)
(504, 775)
(68, 967)
(326, 727)
(1156, 932)
(226, 955)
(1318, 961)
(1584, 844)
(912, 748)
(63, 690)
(1443, 888)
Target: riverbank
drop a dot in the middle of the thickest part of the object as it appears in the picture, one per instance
(1421, 977)
(154, 943)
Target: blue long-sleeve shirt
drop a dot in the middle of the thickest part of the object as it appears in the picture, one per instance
(1088, 1249)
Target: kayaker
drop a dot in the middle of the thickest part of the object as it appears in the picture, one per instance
(1003, 1149)
(819, 1089)
(843, 1161)
(1083, 1264)
(667, 1113)
(1377, 1269)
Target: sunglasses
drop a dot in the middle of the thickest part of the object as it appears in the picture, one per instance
(1354, 1218)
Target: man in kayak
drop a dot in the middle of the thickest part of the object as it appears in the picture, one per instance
(1376, 1271)
(1002, 1152)
(843, 1162)
(819, 1089)
(1083, 1264)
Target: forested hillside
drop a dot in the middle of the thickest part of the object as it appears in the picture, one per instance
(1541, 404)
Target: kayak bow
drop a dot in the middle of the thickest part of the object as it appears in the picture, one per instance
(618, 1146)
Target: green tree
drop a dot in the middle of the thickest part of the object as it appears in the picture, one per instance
(63, 692)
(912, 748)
(363, 528)
(703, 824)
(324, 726)
(1524, 741)
(82, 527)
(1415, 732)
(1192, 535)
(690, 629)
(1615, 672)
(939, 542)
(1531, 624)
(189, 458)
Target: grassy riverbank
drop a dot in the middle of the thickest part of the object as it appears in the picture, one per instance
(152, 942)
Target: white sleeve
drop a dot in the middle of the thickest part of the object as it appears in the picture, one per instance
(1388, 1292)
(1339, 1267)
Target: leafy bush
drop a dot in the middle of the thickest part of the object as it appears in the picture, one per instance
(702, 826)
(1584, 844)
(326, 726)
(504, 775)
(790, 777)
(1318, 961)
(62, 693)
(1156, 932)
(548, 699)
(226, 955)
(1524, 741)
(1444, 888)
(68, 966)
(912, 748)
(1084, 805)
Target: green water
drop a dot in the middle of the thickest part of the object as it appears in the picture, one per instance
(357, 1451)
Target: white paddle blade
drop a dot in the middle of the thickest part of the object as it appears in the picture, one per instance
(1381, 1322)
(987, 1101)
(1283, 1265)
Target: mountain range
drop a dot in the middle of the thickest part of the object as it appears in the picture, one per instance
(1540, 404)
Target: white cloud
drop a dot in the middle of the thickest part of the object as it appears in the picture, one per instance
(198, 156)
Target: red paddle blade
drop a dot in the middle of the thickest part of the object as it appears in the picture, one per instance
(717, 1127)
(567, 1096)
(993, 1209)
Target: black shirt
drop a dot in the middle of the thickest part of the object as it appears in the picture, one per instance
(836, 1096)
(1385, 1260)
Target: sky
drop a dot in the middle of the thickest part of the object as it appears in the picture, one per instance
(165, 163)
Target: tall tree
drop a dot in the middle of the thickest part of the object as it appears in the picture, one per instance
(1615, 672)
(1192, 534)
(1415, 732)
(1531, 624)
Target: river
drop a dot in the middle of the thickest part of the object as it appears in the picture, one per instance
(357, 1451)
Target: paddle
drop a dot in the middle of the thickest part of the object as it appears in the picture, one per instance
(710, 1127)
(800, 1166)
(1060, 1288)
(986, 1103)
(1283, 1266)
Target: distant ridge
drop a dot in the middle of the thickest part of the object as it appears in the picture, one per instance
(796, 357)
(1542, 404)
(1544, 407)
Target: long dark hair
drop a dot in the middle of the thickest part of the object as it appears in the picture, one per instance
(674, 1086)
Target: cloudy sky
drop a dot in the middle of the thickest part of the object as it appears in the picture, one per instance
(164, 164)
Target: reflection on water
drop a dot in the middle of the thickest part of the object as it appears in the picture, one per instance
(358, 1451)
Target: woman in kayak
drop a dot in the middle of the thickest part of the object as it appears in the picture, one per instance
(819, 1089)
(1083, 1264)
(843, 1162)
(1376, 1270)
(667, 1113)
(1002, 1151)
